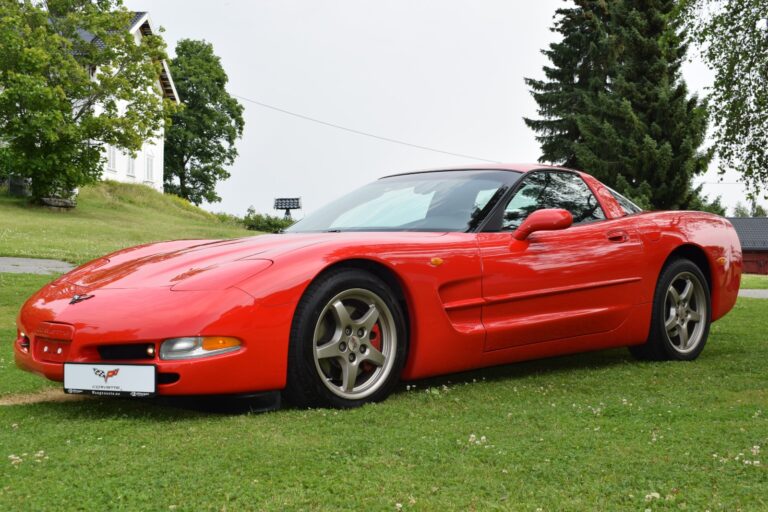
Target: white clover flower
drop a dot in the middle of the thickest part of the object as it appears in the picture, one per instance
(652, 496)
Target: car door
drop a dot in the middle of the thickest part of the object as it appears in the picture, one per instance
(557, 284)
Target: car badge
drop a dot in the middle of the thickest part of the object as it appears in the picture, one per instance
(106, 375)
(80, 298)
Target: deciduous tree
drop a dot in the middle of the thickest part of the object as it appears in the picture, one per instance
(733, 38)
(72, 78)
(200, 143)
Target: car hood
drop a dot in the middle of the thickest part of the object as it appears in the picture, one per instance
(186, 264)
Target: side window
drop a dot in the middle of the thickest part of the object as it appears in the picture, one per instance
(628, 206)
(550, 189)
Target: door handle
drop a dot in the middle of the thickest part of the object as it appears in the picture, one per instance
(618, 236)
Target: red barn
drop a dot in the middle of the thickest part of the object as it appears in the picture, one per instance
(753, 234)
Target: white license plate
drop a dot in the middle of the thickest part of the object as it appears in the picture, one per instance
(110, 379)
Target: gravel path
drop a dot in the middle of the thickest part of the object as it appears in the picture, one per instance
(754, 294)
(33, 266)
(46, 395)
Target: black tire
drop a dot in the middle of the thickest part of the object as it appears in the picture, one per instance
(661, 344)
(316, 379)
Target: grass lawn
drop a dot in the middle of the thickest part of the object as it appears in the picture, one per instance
(754, 282)
(588, 432)
(14, 290)
(109, 216)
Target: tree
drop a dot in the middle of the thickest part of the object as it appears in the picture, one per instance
(754, 210)
(200, 143)
(581, 63)
(740, 210)
(63, 95)
(733, 39)
(626, 117)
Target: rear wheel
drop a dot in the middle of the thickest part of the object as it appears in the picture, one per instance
(681, 315)
(348, 342)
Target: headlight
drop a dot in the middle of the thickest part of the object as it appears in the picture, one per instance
(190, 348)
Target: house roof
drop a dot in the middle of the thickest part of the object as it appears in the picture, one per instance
(141, 22)
(752, 231)
(137, 17)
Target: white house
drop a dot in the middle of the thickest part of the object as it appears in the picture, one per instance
(147, 166)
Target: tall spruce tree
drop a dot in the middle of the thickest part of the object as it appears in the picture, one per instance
(581, 62)
(635, 127)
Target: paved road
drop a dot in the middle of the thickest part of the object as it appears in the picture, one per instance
(33, 266)
(754, 294)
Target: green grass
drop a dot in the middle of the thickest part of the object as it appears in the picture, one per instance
(588, 432)
(109, 216)
(14, 290)
(754, 282)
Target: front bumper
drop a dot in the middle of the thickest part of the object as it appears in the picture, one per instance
(148, 317)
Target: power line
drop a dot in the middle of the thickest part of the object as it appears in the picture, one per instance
(359, 132)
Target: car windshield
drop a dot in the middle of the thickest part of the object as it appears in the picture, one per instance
(427, 201)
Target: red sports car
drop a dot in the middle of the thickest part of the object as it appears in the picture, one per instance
(414, 275)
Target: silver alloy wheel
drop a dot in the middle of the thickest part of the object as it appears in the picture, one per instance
(355, 343)
(685, 312)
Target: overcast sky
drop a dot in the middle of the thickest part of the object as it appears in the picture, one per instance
(447, 74)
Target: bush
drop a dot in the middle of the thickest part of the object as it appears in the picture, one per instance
(264, 222)
(228, 218)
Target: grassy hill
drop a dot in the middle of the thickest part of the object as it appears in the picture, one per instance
(109, 216)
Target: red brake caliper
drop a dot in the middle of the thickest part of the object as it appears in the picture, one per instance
(375, 338)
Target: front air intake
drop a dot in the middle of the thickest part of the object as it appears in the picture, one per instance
(127, 352)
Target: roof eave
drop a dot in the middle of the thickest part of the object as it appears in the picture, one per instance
(168, 88)
(166, 82)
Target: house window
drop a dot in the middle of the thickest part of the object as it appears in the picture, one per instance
(150, 175)
(111, 159)
(131, 167)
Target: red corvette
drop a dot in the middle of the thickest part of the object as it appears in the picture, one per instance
(411, 276)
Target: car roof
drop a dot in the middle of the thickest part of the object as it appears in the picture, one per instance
(496, 166)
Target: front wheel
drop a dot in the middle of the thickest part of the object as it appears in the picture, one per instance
(348, 342)
(681, 315)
